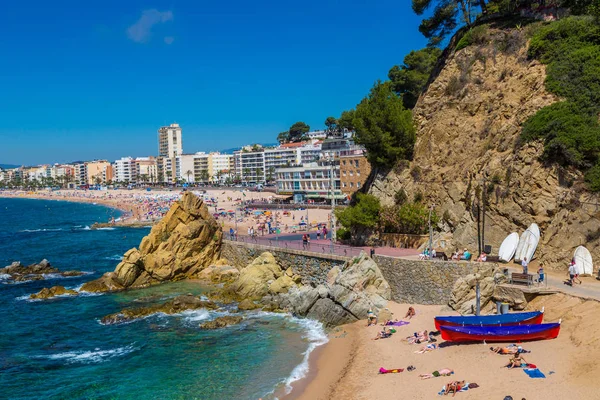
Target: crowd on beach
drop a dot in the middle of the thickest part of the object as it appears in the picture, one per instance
(427, 341)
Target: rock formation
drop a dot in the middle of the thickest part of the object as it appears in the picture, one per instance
(347, 295)
(180, 246)
(463, 294)
(54, 291)
(17, 272)
(173, 306)
(469, 132)
(222, 322)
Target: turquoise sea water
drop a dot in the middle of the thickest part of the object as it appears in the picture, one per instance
(57, 349)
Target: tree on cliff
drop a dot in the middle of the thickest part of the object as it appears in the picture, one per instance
(331, 124)
(298, 131)
(283, 137)
(384, 126)
(446, 17)
(410, 78)
(362, 218)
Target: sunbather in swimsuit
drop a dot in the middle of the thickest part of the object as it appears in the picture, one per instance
(435, 374)
(454, 387)
(517, 361)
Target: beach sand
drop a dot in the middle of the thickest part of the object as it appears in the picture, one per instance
(347, 367)
(133, 203)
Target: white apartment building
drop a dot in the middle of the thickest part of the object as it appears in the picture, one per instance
(310, 181)
(185, 168)
(220, 166)
(260, 166)
(126, 170)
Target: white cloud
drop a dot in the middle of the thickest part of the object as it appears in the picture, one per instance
(169, 39)
(141, 31)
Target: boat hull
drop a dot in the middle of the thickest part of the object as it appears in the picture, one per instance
(500, 333)
(528, 318)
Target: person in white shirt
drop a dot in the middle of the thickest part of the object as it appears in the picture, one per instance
(571, 273)
(524, 264)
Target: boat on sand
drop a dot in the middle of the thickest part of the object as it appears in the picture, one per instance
(523, 318)
(514, 333)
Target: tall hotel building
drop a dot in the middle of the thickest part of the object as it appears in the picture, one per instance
(169, 148)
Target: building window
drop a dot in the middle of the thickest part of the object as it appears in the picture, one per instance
(351, 184)
(357, 173)
(356, 162)
(358, 185)
(344, 162)
(351, 173)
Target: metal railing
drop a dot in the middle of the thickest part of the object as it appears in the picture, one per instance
(298, 245)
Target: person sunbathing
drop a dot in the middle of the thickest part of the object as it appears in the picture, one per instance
(427, 349)
(505, 350)
(517, 361)
(418, 337)
(435, 374)
(383, 334)
(454, 387)
(410, 313)
(371, 318)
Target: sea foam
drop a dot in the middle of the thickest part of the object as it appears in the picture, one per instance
(315, 336)
(92, 356)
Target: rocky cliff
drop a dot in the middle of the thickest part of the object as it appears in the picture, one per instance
(468, 126)
(181, 245)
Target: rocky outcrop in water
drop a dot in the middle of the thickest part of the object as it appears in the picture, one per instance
(222, 322)
(173, 306)
(54, 291)
(181, 245)
(17, 272)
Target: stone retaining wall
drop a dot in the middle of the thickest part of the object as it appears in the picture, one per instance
(422, 282)
(312, 267)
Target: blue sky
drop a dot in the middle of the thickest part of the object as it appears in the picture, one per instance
(84, 80)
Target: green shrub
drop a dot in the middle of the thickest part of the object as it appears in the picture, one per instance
(400, 197)
(361, 218)
(411, 218)
(343, 234)
(476, 35)
(570, 130)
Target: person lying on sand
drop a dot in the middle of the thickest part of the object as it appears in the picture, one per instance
(410, 313)
(418, 337)
(510, 349)
(435, 374)
(427, 349)
(383, 334)
(454, 387)
(516, 361)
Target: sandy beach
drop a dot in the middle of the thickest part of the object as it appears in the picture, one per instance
(226, 204)
(347, 367)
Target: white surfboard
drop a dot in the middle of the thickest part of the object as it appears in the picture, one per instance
(528, 243)
(583, 261)
(508, 247)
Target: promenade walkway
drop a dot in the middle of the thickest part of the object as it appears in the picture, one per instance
(589, 289)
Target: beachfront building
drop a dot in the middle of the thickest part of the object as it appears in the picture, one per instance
(170, 146)
(311, 181)
(354, 170)
(80, 173)
(220, 167)
(125, 170)
(98, 172)
(250, 164)
(147, 169)
(185, 168)
(314, 135)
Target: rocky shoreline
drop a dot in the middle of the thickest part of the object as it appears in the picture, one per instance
(17, 272)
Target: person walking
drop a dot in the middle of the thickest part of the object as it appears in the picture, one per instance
(304, 241)
(524, 264)
(571, 273)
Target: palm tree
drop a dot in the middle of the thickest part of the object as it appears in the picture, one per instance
(204, 176)
(270, 173)
(188, 173)
(259, 173)
(169, 173)
(245, 174)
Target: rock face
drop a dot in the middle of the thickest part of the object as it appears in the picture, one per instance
(463, 294)
(17, 272)
(173, 306)
(46, 293)
(255, 280)
(219, 273)
(222, 322)
(471, 132)
(347, 295)
(180, 246)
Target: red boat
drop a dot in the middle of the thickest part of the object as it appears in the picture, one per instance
(513, 333)
(523, 318)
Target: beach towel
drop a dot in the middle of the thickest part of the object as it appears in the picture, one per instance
(398, 323)
(390, 371)
(534, 373)
(464, 389)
